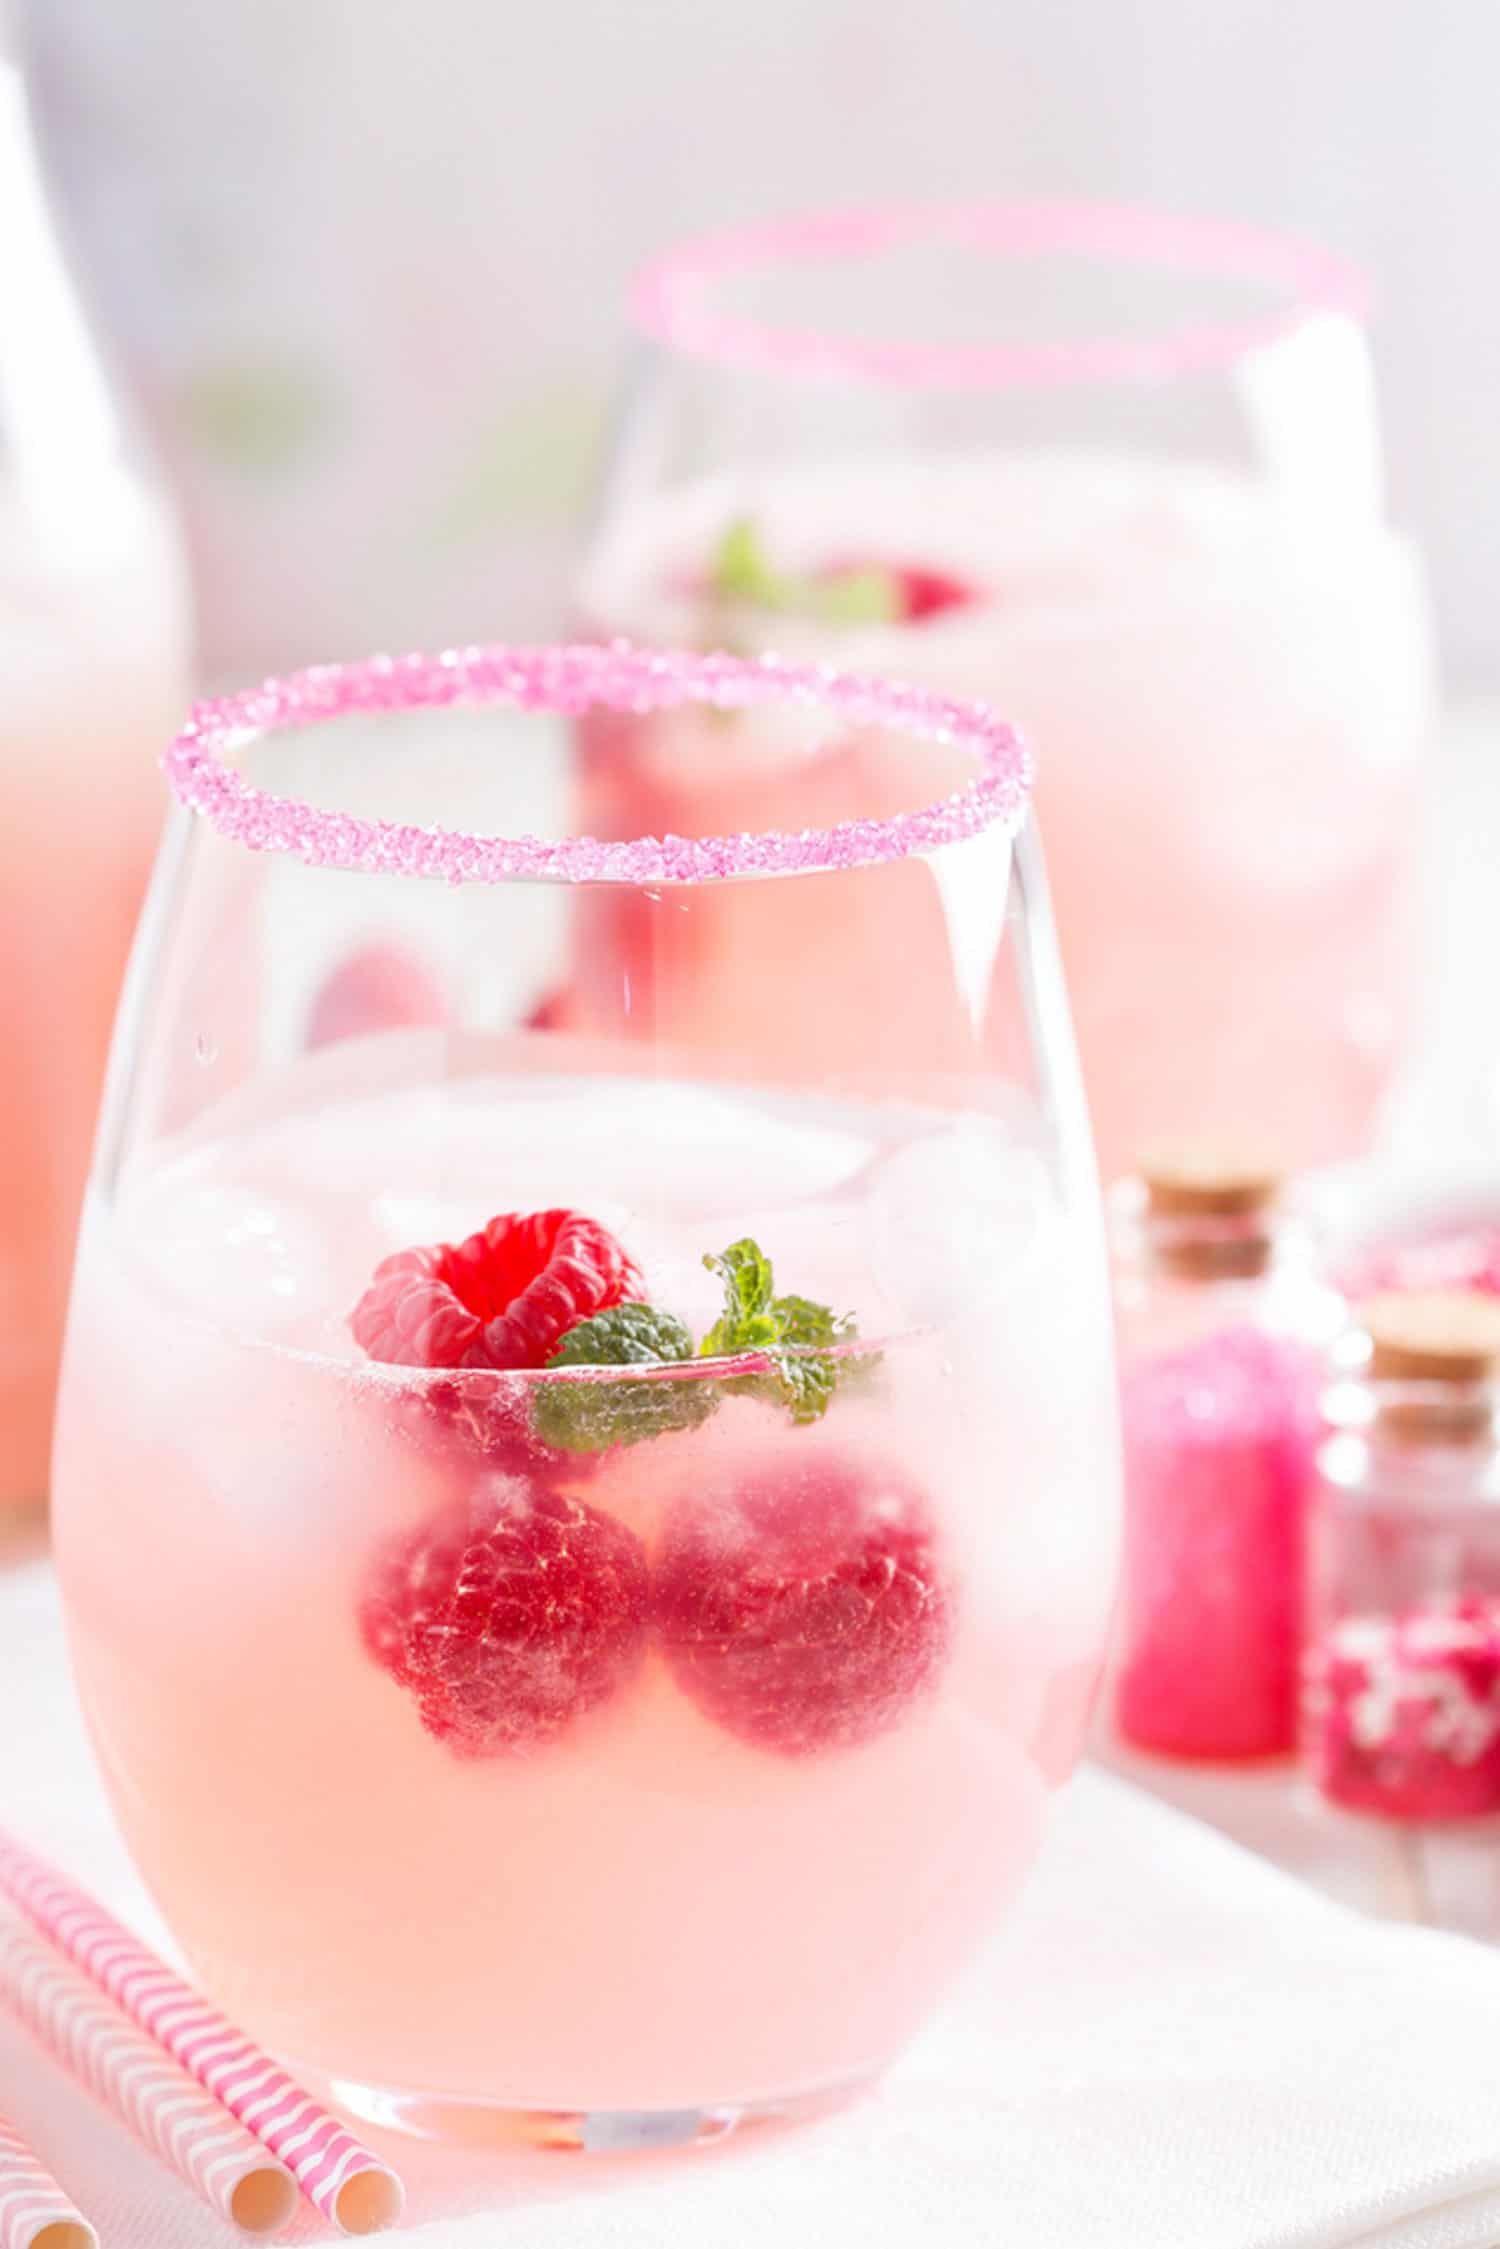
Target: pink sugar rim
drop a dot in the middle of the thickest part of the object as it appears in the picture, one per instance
(572, 679)
(672, 297)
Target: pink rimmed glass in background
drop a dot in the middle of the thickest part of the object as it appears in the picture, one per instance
(1118, 473)
(575, 1862)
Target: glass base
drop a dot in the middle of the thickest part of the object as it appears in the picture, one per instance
(596, 2131)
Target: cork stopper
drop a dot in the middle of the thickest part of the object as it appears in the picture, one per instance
(1209, 1210)
(1442, 1336)
(1437, 1354)
(1209, 1182)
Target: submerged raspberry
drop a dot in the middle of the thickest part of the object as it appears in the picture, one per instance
(804, 1609)
(509, 1615)
(504, 1298)
(478, 1421)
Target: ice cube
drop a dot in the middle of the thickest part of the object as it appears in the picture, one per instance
(264, 1265)
(661, 1148)
(957, 1218)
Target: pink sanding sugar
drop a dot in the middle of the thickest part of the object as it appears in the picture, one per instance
(1219, 1440)
(200, 764)
(1403, 1712)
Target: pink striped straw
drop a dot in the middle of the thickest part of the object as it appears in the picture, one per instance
(128, 2071)
(343, 2181)
(34, 2211)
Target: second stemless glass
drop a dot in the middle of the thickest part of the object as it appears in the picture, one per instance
(1119, 473)
(586, 1555)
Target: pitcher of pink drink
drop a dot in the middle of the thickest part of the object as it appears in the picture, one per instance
(92, 665)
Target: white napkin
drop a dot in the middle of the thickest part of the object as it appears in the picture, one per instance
(1173, 2047)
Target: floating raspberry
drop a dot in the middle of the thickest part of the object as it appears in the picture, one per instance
(504, 1298)
(910, 593)
(377, 989)
(927, 593)
(509, 1615)
(804, 1609)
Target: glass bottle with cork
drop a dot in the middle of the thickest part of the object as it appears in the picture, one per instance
(1401, 1693)
(1223, 1325)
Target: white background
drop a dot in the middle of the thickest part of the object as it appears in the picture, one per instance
(364, 258)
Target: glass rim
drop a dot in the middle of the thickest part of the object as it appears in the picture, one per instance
(672, 297)
(567, 679)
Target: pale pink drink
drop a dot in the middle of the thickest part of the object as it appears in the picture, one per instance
(1141, 515)
(93, 666)
(555, 1684)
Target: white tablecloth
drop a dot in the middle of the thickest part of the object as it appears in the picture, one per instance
(1174, 2047)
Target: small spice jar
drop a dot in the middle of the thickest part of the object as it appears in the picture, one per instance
(1401, 1676)
(1223, 1326)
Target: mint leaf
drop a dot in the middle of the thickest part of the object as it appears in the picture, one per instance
(742, 569)
(804, 1386)
(592, 1416)
(749, 1318)
(628, 1335)
(867, 596)
(790, 1332)
(804, 1322)
(743, 572)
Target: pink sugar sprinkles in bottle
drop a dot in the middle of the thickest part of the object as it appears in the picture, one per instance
(1222, 1328)
(1401, 1678)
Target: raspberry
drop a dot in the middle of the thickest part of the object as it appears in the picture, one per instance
(504, 1298)
(378, 989)
(484, 1421)
(557, 1010)
(916, 593)
(845, 590)
(927, 593)
(508, 1615)
(803, 1609)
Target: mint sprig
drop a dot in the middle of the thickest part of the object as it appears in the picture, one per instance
(793, 1338)
(792, 1333)
(584, 1417)
(743, 572)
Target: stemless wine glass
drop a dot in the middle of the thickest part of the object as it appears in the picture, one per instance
(1119, 473)
(586, 1553)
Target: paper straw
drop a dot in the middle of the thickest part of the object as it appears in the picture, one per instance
(344, 2182)
(162, 2105)
(34, 2211)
